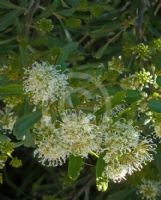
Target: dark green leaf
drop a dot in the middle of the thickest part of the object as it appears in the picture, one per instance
(9, 5)
(101, 51)
(11, 89)
(132, 95)
(155, 105)
(8, 19)
(3, 137)
(158, 80)
(66, 51)
(25, 123)
(74, 166)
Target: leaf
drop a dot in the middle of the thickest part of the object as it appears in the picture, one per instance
(11, 89)
(101, 51)
(132, 95)
(25, 123)
(24, 109)
(4, 137)
(4, 42)
(119, 96)
(157, 61)
(8, 19)
(73, 23)
(66, 51)
(67, 12)
(158, 80)
(28, 142)
(123, 194)
(7, 4)
(101, 180)
(74, 166)
(73, 3)
(3, 80)
(155, 105)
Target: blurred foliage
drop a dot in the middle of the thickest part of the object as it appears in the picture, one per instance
(106, 38)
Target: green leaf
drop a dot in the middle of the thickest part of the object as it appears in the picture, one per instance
(25, 123)
(66, 51)
(73, 3)
(118, 98)
(4, 137)
(28, 142)
(11, 89)
(67, 12)
(9, 5)
(8, 19)
(123, 194)
(74, 166)
(3, 80)
(101, 51)
(101, 180)
(132, 95)
(157, 61)
(73, 23)
(155, 105)
(158, 80)
(4, 42)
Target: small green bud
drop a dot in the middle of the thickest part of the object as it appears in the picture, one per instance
(15, 162)
(44, 25)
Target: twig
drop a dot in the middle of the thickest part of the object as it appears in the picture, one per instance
(157, 8)
(34, 5)
(85, 190)
(140, 18)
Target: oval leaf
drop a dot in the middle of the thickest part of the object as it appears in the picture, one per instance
(132, 95)
(74, 166)
(155, 105)
(158, 80)
(25, 123)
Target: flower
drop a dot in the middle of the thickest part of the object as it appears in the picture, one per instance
(75, 134)
(157, 44)
(116, 64)
(78, 132)
(49, 148)
(45, 84)
(157, 129)
(149, 189)
(139, 80)
(12, 101)
(119, 135)
(142, 51)
(44, 25)
(124, 151)
(7, 119)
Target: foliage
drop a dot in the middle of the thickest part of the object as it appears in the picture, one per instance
(80, 87)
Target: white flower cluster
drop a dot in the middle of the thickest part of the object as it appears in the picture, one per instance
(78, 132)
(124, 151)
(149, 190)
(49, 149)
(44, 84)
(75, 135)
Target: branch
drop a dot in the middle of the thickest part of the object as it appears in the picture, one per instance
(34, 5)
(140, 18)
